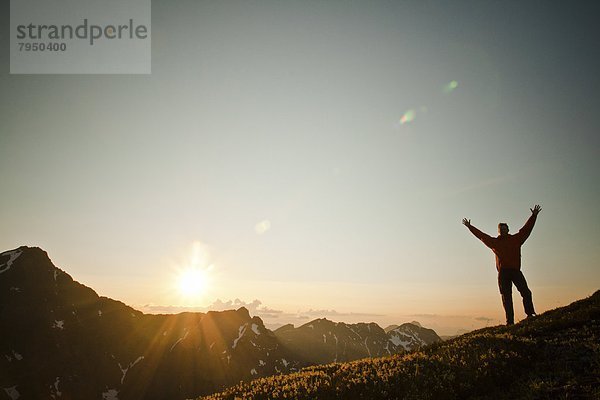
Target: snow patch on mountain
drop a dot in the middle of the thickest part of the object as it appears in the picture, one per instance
(12, 392)
(387, 347)
(353, 331)
(13, 255)
(255, 329)
(367, 347)
(180, 339)
(57, 393)
(397, 341)
(110, 394)
(241, 332)
(124, 370)
(406, 337)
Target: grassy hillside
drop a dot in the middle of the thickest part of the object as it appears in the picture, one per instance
(553, 356)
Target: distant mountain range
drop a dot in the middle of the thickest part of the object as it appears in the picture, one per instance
(60, 339)
(322, 341)
(555, 355)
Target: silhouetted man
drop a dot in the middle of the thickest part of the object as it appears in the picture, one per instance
(507, 249)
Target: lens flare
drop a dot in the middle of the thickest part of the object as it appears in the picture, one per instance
(450, 86)
(408, 116)
(262, 227)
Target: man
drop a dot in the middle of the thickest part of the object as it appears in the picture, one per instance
(507, 249)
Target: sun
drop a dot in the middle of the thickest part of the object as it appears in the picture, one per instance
(192, 282)
(193, 278)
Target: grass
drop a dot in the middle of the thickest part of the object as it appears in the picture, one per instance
(553, 356)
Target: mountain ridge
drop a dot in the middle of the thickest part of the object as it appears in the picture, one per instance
(66, 339)
(70, 340)
(552, 356)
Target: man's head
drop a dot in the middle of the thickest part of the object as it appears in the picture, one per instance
(503, 228)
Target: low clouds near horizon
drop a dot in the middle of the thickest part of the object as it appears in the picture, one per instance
(255, 307)
(273, 318)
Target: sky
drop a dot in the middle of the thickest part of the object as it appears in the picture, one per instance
(315, 159)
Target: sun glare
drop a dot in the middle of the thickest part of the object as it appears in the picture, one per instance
(192, 282)
(193, 275)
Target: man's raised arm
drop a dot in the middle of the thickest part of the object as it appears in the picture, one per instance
(484, 237)
(525, 231)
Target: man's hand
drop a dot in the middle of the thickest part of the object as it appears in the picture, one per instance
(467, 222)
(536, 210)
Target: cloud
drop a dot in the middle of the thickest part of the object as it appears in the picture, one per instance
(255, 307)
(158, 309)
(220, 305)
(334, 313)
(441, 316)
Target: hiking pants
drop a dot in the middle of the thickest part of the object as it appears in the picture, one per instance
(506, 277)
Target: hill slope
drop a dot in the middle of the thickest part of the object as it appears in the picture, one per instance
(553, 356)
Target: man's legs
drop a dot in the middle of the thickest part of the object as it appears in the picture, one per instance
(521, 284)
(505, 285)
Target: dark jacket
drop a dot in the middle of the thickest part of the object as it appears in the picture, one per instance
(507, 248)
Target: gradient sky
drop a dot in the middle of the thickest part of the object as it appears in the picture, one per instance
(322, 154)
